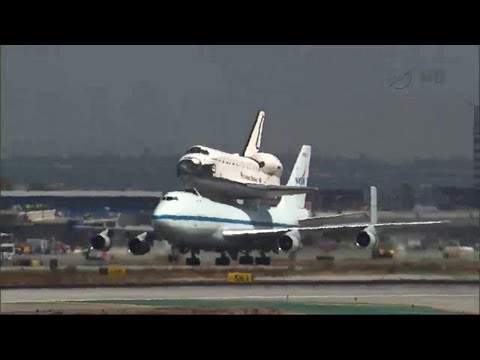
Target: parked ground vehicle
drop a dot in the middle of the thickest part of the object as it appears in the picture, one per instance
(382, 253)
(458, 251)
(7, 251)
(92, 254)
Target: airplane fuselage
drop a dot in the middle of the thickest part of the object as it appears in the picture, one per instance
(188, 220)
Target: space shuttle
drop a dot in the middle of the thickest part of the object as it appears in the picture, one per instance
(250, 175)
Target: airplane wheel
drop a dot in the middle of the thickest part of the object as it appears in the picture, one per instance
(193, 261)
(263, 260)
(246, 260)
(222, 261)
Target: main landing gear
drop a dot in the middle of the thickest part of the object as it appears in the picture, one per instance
(193, 261)
(246, 259)
(223, 260)
(262, 260)
(173, 256)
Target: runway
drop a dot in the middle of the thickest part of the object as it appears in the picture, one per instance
(451, 298)
(158, 257)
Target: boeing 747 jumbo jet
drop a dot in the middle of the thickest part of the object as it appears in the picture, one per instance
(190, 222)
(251, 175)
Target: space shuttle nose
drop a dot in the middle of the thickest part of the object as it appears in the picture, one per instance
(188, 167)
(195, 168)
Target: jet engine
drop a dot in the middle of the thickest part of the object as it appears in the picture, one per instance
(367, 238)
(269, 163)
(102, 241)
(140, 244)
(290, 242)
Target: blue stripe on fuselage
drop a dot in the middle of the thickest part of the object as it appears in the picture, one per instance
(219, 220)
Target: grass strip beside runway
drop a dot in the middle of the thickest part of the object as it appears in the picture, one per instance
(289, 307)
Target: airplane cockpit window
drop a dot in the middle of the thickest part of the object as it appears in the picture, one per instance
(193, 150)
(169, 198)
(197, 150)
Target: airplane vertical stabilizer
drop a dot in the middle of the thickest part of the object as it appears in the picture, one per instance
(298, 177)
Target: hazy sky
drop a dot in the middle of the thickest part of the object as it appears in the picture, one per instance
(121, 99)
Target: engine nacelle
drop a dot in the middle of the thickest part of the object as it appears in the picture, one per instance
(269, 163)
(102, 241)
(140, 244)
(290, 242)
(367, 238)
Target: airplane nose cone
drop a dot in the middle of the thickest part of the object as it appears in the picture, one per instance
(188, 167)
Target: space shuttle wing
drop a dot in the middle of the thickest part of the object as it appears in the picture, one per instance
(280, 190)
(238, 190)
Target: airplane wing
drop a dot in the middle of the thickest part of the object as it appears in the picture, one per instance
(128, 228)
(330, 216)
(269, 234)
(265, 233)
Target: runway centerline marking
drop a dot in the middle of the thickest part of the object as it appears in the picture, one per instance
(247, 297)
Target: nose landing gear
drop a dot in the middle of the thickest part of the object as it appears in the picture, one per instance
(173, 256)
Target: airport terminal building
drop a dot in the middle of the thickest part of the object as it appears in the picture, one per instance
(135, 208)
(79, 203)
